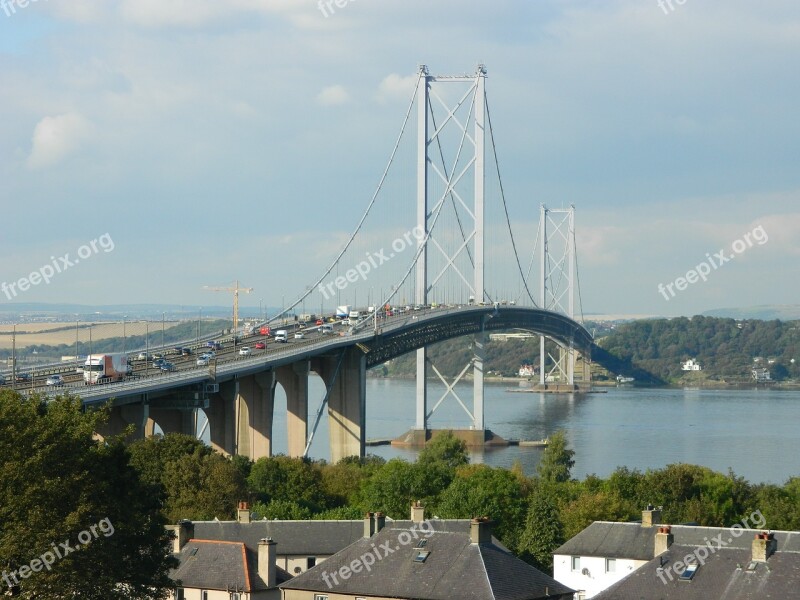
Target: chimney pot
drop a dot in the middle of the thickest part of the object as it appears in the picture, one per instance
(663, 540)
(243, 512)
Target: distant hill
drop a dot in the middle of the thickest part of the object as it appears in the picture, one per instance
(767, 312)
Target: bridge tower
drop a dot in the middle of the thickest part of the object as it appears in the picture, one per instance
(557, 279)
(471, 152)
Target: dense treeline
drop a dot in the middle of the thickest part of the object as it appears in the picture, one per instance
(725, 348)
(533, 515)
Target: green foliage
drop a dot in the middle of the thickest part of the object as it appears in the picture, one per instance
(724, 347)
(285, 478)
(56, 482)
(340, 513)
(557, 462)
(281, 509)
(479, 490)
(446, 449)
(543, 530)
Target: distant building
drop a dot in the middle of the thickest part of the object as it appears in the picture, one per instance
(761, 375)
(526, 371)
(691, 365)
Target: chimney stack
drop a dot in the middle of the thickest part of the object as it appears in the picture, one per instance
(183, 531)
(651, 516)
(764, 545)
(480, 530)
(664, 539)
(380, 521)
(369, 524)
(266, 562)
(243, 512)
(417, 512)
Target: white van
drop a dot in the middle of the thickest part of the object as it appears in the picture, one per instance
(327, 328)
(281, 336)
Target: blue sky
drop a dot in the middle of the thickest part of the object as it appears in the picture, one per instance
(242, 139)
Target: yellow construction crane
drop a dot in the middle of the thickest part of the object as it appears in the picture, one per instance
(236, 289)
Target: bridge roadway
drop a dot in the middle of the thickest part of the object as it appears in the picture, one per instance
(238, 391)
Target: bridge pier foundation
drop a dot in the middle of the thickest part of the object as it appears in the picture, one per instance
(347, 399)
(122, 416)
(254, 404)
(294, 379)
(222, 418)
(170, 421)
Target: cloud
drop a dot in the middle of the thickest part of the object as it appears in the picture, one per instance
(56, 137)
(395, 86)
(333, 95)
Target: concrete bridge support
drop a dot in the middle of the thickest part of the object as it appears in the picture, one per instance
(347, 399)
(170, 420)
(122, 416)
(294, 379)
(254, 404)
(222, 418)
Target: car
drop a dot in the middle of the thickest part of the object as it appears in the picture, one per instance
(214, 345)
(158, 362)
(203, 361)
(244, 351)
(186, 351)
(210, 355)
(346, 321)
(23, 378)
(299, 335)
(157, 355)
(167, 367)
(260, 346)
(327, 328)
(319, 322)
(143, 356)
(55, 380)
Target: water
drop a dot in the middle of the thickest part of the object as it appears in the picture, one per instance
(754, 432)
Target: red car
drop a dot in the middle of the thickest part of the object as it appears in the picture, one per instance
(319, 322)
(260, 346)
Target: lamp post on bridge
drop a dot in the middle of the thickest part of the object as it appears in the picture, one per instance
(123, 333)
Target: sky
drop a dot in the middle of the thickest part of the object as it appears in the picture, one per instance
(176, 144)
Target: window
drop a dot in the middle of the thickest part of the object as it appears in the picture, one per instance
(320, 597)
(312, 560)
(420, 556)
(421, 544)
(576, 563)
(611, 565)
(204, 595)
(236, 596)
(179, 594)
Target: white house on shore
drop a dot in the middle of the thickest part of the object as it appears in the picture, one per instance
(691, 365)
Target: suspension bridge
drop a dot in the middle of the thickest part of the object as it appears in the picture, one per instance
(436, 257)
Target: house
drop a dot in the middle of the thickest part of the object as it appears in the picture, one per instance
(425, 562)
(605, 552)
(691, 365)
(526, 371)
(215, 570)
(303, 544)
(606, 555)
(753, 567)
(761, 375)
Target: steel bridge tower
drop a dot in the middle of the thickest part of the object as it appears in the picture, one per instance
(557, 279)
(472, 131)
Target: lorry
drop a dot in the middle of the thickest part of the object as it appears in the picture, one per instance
(307, 317)
(354, 316)
(342, 312)
(102, 368)
(265, 330)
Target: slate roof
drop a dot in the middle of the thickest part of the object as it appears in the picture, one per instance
(724, 576)
(215, 565)
(455, 568)
(632, 541)
(304, 538)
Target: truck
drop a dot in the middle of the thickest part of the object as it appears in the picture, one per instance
(307, 317)
(102, 368)
(281, 336)
(342, 312)
(265, 330)
(354, 316)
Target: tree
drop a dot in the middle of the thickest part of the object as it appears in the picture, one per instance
(556, 463)
(285, 478)
(543, 531)
(61, 488)
(445, 448)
